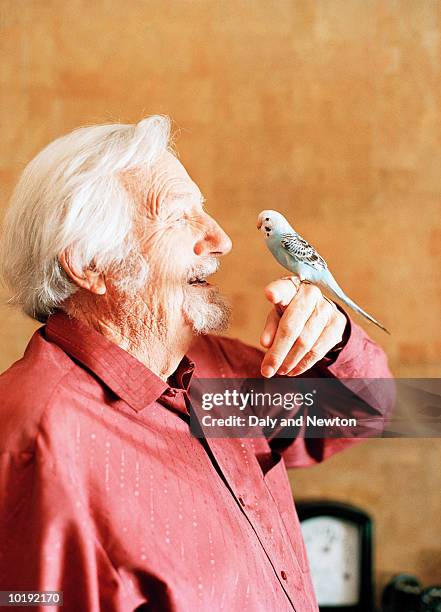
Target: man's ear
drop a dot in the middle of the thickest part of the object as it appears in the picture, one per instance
(90, 279)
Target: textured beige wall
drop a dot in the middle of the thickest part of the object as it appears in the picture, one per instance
(328, 110)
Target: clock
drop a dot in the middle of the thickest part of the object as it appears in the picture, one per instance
(338, 540)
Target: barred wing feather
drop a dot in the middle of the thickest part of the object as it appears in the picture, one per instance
(302, 251)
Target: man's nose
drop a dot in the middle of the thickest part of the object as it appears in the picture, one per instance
(214, 241)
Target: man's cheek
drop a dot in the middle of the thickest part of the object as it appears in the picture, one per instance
(172, 242)
(168, 274)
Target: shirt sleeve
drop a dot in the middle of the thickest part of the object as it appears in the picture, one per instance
(361, 359)
(47, 539)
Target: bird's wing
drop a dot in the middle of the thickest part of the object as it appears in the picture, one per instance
(302, 251)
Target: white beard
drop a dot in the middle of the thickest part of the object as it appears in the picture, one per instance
(206, 310)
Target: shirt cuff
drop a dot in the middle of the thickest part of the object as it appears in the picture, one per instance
(349, 347)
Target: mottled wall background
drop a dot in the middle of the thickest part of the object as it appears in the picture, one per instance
(327, 110)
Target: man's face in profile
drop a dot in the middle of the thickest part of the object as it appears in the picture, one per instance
(181, 244)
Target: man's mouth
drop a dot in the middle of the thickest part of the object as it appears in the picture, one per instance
(199, 274)
(198, 281)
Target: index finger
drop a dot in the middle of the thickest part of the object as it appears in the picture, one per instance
(281, 291)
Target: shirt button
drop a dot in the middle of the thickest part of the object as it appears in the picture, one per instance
(284, 575)
(242, 501)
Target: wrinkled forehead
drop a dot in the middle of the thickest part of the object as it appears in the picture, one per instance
(165, 186)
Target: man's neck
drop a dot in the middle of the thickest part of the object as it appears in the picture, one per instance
(160, 347)
(161, 355)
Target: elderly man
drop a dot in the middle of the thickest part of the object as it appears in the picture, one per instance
(107, 495)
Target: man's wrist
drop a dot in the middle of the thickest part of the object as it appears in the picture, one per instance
(333, 354)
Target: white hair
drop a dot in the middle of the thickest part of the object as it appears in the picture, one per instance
(71, 197)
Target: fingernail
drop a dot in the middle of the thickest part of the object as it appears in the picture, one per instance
(282, 371)
(268, 371)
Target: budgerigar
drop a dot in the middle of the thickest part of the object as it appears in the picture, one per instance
(299, 257)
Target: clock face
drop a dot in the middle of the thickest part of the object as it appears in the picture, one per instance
(334, 553)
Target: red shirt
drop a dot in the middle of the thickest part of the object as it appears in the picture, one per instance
(108, 497)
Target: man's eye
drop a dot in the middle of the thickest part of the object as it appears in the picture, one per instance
(180, 221)
(176, 217)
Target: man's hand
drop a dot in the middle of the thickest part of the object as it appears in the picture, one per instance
(301, 329)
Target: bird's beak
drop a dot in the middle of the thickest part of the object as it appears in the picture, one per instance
(259, 224)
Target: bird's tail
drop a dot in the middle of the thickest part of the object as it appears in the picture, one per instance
(338, 292)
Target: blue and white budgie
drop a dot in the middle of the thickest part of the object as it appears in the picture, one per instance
(299, 257)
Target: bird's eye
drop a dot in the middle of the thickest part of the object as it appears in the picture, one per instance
(267, 219)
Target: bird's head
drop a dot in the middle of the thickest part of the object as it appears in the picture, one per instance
(270, 222)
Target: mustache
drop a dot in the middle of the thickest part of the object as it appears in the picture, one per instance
(203, 269)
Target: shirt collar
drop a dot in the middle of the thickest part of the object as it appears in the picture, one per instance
(127, 377)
